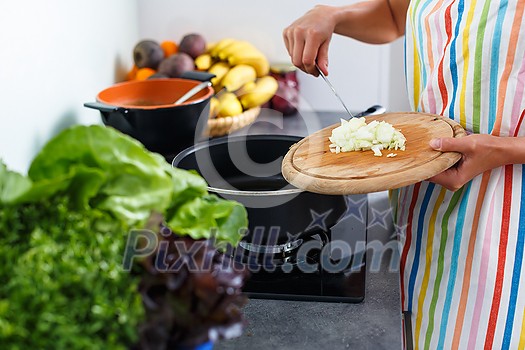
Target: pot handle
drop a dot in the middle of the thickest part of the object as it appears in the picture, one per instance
(106, 109)
(373, 110)
(197, 75)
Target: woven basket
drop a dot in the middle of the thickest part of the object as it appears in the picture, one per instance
(226, 125)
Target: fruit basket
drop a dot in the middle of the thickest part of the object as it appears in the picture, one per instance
(226, 125)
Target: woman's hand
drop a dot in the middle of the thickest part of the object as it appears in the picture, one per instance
(479, 153)
(307, 39)
(372, 21)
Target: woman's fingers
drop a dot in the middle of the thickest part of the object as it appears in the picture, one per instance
(450, 144)
(309, 58)
(288, 36)
(322, 57)
(288, 42)
(306, 49)
(450, 179)
(307, 39)
(298, 49)
(479, 153)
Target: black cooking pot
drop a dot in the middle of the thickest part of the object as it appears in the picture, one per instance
(247, 169)
(145, 110)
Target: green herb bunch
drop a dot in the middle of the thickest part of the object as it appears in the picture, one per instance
(64, 287)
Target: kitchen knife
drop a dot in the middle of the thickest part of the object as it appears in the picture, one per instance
(334, 91)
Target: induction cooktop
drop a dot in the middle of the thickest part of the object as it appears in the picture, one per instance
(325, 265)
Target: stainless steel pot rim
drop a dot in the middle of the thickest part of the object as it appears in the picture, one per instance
(290, 191)
(234, 192)
(272, 249)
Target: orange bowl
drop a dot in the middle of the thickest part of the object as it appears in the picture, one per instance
(145, 110)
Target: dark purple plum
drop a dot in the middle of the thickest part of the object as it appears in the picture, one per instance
(175, 65)
(193, 44)
(147, 54)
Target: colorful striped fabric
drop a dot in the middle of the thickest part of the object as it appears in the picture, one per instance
(462, 264)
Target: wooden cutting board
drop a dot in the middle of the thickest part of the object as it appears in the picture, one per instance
(310, 165)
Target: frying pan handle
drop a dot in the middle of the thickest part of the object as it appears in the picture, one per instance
(374, 110)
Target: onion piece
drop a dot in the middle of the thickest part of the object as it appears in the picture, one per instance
(356, 135)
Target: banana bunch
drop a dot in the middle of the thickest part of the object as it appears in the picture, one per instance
(241, 76)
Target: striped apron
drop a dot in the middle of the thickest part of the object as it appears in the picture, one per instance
(462, 268)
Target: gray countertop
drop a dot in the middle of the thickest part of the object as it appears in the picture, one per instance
(374, 323)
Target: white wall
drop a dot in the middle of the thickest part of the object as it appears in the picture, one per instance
(363, 74)
(56, 55)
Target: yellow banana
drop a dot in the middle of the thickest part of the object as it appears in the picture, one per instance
(238, 76)
(247, 52)
(229, 105)
(246, 88)
(210, 46)
(219, 69)
(259, 62)
(214, 107)
(220, 45)
(264, 90)
(203, 62)
(234, 48)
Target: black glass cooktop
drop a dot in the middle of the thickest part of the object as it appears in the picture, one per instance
(325, 266)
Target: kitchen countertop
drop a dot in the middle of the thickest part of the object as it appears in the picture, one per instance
(374, 323)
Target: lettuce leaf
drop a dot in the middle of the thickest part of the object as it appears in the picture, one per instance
(102, 168)
(12, 184)
(227, 219)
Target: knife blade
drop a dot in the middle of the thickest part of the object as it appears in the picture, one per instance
(333, 90)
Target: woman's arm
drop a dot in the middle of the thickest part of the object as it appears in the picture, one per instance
(375, 22)
(480, 153)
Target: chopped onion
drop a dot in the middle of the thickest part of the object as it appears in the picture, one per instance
(356, 135)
